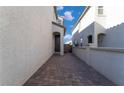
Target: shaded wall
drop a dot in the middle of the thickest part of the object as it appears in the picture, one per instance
(25, 42)
(114, 37)
(107, 61)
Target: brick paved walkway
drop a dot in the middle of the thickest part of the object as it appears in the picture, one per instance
(67, 70)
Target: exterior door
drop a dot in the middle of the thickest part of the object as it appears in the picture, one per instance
(57, 43)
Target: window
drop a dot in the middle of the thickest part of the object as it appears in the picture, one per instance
(90, 39)
(100, 10)
(100, 39)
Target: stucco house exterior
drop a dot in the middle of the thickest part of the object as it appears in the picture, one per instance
(103, 25)
(98, 38)
(29, 36)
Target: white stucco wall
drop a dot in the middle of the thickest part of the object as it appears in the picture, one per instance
(25, 42)
(85, 27)
(110, 23)
(88, 19)
(107, 61)
(85, 33)
(98, 29)
(114, 27)
(114, 15)
(59, 29)
(85, 21)
(81, 53)
(114, 37)
(90, 24)
(53, 14)
(76, 29)
(60, 20)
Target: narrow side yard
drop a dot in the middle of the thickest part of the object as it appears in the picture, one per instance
(67, 70)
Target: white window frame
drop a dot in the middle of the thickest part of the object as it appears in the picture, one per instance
(100, 10)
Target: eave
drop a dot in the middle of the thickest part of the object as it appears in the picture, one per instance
(55, 11)
(59, 26)
(82, 15)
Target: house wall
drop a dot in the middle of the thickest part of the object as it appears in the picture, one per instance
(60, 20)
(53, 14)
(61, 31)
(85, 27)
(85, 21)
(75, 30)
(110, 23)
(107, 61)
(114, 27)
(114, 37)
(25, 42)
(114, 15)
(85, 33)
(88, 19)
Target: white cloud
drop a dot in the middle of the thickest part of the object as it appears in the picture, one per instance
(60, 7)
(68, 16)
(67, 38)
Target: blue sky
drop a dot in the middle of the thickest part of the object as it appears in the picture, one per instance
(70, 15)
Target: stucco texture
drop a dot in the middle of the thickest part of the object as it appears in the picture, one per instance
(25, 42)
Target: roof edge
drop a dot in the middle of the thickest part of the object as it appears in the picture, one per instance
(59, 26)
(55, 11)
(82, 15)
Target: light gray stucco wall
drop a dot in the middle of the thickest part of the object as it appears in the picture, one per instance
(56, 28)
(114, 37)
(107, 61)
(84, 34)
(25, 42)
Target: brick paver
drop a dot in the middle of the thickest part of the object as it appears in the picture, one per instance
(67, 70)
